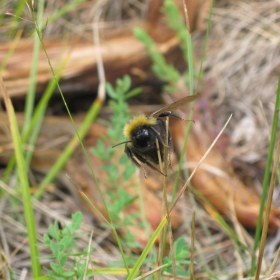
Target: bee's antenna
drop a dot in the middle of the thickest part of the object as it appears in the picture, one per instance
(121, 143)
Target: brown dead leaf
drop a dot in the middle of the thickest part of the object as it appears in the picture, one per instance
(216, 181)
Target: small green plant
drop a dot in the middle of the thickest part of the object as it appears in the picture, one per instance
(181, 251)
(164, 71)
(176, 21)
(68, 262)
(119, 199)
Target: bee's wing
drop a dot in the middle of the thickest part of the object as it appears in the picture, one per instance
(175, 105)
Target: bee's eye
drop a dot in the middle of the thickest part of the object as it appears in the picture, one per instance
(141, 138)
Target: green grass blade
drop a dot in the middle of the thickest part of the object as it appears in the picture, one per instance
(70, 148)
(39, 113)
(266, 176)
(11, 51)
(204, 46)
(190, 64)
(22, 174)
(146, 250)
(35, 121)
(191, 78)
(30, 97)
(268, 210)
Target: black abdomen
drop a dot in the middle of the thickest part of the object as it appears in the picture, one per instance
(144, 141)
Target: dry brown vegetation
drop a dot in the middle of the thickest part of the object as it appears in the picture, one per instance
(240, 76)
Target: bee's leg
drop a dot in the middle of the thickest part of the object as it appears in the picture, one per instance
(130, 156)
(169, 150)
(169, 147)
(169, 157)
(159, 139)
(148, 163)
(169, 114)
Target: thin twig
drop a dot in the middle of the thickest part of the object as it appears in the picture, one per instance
(166, 154)
(100, 66)
(145, 275)
(273, 265)
(88, 255)
(198, 165)
(163, 209)
(186, 16)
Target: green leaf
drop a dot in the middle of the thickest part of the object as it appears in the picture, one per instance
(54, 248)
(72, 244)
(68, 274)
(65, 240)
(182, 272)
(111, 169)
(77, 220)
(61, 248)
(62, 259)
(126, 83)
(143, 36)
(133, 92)
(47, 239)
(179, 243)
(68, 230)
(110, 91)
(113, 132)
(54, 231)
(56, 268)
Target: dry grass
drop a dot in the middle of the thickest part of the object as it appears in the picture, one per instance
(243, 62)
(241, 68)
(77, 23)
(242, 65)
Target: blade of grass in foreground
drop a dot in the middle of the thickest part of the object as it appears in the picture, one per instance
(35, 121)
(267, 211)
(28, 211)
(266, 176)
(30, 97)
(39, 112)
(147, 249)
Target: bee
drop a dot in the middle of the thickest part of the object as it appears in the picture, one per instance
(141, 132)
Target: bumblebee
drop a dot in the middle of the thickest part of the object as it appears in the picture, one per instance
(141, 132)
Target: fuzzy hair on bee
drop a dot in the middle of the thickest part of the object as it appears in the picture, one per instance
(141, 133)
